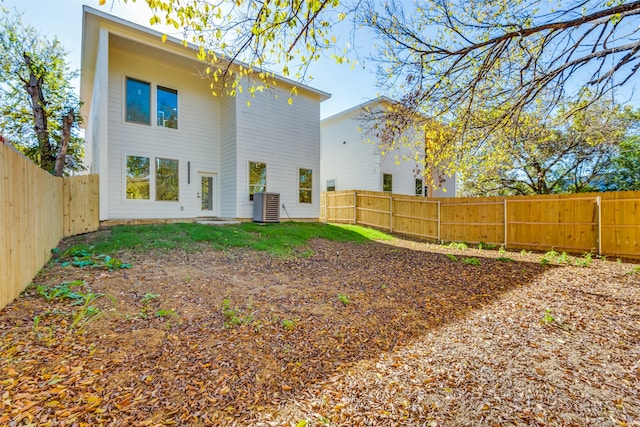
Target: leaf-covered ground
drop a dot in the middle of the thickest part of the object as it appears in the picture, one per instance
(393, 334)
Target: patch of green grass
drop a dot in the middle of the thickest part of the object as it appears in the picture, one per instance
(82, 297)
(505, 259)
(282, 239)
(344, 299)
(234, 316)
(289, 324)
(452, 257)
(458, 245)
(585, 261)
(484, 245)
(634, 270)
(549, 257)
(472, 261)
(548, 318)
(165, 313)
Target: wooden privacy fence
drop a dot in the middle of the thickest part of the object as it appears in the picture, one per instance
(603, 223)
(36, 211)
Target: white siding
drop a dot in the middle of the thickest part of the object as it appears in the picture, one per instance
(196, 141)
(286, 138)
(404, 172)
(347, 157)
(228, 154)
(358, 164)
(97, 133)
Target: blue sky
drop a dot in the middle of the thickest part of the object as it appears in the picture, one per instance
(63, 18)
(348, 87)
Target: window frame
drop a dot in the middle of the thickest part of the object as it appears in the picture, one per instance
(333, 187)
(177, 178)
(149, 179)
(154, 87)
(384, 183)
(252, 186)
(167, 89)
(153, 181)
(308, 189)
(126, 101)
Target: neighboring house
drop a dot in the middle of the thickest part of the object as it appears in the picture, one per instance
(349, 161)
(166, 147)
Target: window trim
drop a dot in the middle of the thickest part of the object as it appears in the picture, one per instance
(384, 175)
(153, 103)
(266, 178)
(152, 178)
(125, 97)
(159, 87)
(310, 189)
(155, 175)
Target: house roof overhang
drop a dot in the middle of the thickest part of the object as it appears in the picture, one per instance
(93, 20)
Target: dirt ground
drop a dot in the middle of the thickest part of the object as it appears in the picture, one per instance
(376, 334)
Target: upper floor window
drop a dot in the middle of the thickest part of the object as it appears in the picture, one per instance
(167, 107)
(138, 107)
(331, 185)
(305, 188)
(138, 101)
(387, 182)
(257, 178)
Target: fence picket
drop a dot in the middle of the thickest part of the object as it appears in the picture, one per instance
(36, 211)
(605, 223)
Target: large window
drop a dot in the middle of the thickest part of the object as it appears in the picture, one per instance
(167, 107)
(387, 182)
(167, 180)
(257, 178)
(138, 108)
(306, 181)
(138, 178)
(138, 104)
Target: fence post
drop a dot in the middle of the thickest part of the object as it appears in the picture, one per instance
(598, 202)
(506, 224)
(391, 213)
(355, 207)
(439, 240)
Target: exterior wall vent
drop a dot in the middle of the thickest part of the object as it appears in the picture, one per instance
(266, 207)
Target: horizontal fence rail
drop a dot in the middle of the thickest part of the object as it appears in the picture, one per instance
(602, 223)
(36, 211)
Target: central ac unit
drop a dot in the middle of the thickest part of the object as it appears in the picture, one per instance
(266, 207)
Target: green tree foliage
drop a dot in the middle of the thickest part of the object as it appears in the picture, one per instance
(624, 173)
(556, 155)
(252, 38)
(38, 106)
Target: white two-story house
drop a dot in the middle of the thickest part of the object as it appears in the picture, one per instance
(165, 147)
(352, 160)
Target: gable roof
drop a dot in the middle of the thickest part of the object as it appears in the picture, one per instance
(94, 20)
(356, 109)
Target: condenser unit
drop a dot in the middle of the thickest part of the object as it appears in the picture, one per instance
(266, 207)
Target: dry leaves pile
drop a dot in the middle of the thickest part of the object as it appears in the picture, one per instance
(375, 334)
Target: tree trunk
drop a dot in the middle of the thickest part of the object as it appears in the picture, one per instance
(67, 122)
(34, 89)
